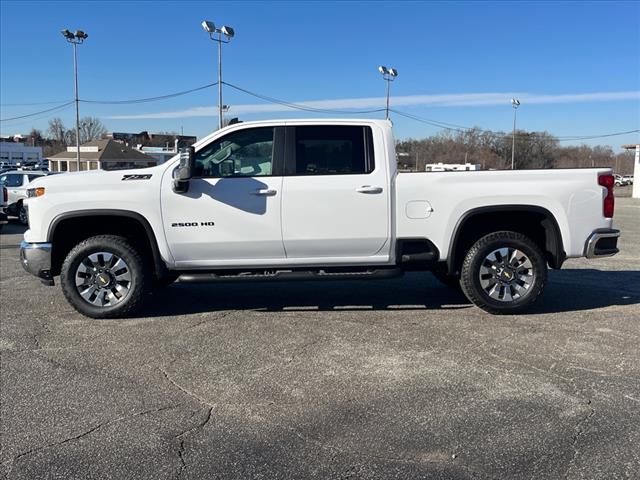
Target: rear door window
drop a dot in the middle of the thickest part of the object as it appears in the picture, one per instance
(333, 150)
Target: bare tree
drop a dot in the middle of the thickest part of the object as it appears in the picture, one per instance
(35, 137)
(493, 150)
(91, 128)
(57, 131)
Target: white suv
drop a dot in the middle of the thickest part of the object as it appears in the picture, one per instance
(15, 182)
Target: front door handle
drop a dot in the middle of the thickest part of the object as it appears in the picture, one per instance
(264, 192)
(369, 189)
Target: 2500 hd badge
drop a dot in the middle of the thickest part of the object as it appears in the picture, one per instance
(193, 224)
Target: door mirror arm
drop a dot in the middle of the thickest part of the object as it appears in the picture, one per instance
(183, 173)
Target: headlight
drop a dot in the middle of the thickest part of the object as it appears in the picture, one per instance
(35, 192)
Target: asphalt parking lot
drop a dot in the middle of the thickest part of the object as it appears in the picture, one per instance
(389, 379)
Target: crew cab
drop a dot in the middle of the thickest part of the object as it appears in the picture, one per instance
(310, 199)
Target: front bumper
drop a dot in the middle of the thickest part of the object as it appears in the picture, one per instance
(602, 243)
(36, 259)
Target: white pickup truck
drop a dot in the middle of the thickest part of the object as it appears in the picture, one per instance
(310, 199)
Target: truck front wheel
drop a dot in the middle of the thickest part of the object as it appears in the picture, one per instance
(105, 277)
(503, 273)
(23, 217)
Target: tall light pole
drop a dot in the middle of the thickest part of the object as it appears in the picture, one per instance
(76, 39)
(515, 103)
(389, 75)
(216, 35)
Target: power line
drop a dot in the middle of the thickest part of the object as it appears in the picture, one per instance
(434, 123)
(59, 107)
(589, 137)
(149, 99)
(120, 102)
(31, 104)
(298, 106)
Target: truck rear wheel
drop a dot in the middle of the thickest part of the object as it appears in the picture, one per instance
(504, 273)
(105, 277)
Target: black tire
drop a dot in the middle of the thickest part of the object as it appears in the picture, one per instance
(139, 273)
(22, 215)
(451, 281)
(477, 256)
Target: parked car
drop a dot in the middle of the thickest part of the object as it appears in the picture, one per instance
(618, 181)
(16, 182)
(310, 200)
(4, 195)
(628, 179)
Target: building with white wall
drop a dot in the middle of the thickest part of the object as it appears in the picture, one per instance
(636, 168)
(451, 167)
(17, 154)
(100, 155)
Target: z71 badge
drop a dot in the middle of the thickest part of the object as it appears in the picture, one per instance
(136, 177)
(193, 224)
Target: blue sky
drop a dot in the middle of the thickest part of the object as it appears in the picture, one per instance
(575, 65)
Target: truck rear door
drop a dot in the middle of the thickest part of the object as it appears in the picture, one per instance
(335, 199)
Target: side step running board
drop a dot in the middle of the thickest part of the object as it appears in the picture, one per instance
(287, 275)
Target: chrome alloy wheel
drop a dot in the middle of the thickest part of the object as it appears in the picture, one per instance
(506, 274)
(103, 279)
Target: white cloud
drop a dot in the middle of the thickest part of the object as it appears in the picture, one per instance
(446, 100)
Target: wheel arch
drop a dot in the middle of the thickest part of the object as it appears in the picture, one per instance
(532, 220)
(127, 223)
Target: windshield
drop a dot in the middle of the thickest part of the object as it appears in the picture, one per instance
(11, 180)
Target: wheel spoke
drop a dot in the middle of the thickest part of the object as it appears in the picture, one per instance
(506, 274)
(494, 291)
(488, 283)
(89, 293)
(103, 279)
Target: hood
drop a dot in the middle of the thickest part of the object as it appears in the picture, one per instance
(97, 177)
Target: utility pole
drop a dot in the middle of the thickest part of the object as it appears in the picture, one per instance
(216, 35)
(389, 75)
(76, 39)
(515, 103)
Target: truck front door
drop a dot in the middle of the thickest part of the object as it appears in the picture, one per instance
(231, 214)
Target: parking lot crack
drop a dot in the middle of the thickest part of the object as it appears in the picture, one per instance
(208, 320)
(181, 439)
(85, 433)
(531, 367)
(578, 431)
(183, 389)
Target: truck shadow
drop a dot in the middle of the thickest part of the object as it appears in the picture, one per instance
(566, 291)
(13, 228)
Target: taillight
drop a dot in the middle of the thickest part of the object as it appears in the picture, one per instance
(5, 195)
(607, 181)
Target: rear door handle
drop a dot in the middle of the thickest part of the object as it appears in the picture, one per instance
(264, 192)
(369, 189)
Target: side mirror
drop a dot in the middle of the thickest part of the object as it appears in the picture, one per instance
(182, 174)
